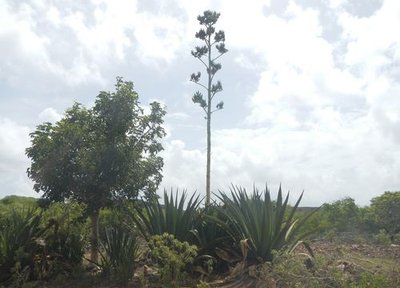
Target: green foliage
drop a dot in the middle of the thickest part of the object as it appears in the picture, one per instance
(20, 231)
(110, 217)
(382, 238)
(172, 255)
(342, 215)
(267, 225)
(344, 220)
(386, 211)
(98, 155)
(121, 250)
(174, 216)
(208, 232)
(316, 225)
(13, 202)
(210, 237)
(64, 239)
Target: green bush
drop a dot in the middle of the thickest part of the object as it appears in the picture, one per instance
(382, 238)
(342, 215)
(317, 224)
(11, 202)
(386, 211)
(172, 255)
(65, 236)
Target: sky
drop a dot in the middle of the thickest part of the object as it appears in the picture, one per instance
(311, 88)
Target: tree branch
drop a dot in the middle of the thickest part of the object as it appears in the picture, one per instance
(215, 110)
(204, 63)
(199, 84)
(217, 57)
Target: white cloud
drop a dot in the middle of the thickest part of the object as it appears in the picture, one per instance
(50, 115)
(107, 36)
(330, 129)
(159, 37)
(346, 160)
(336, 3)
(178, 116)
(323, 116)
(13, 141)
(28, 50)
(75, 43)
(371, 44)
(183, 167)
(13, 163)
(19, 44)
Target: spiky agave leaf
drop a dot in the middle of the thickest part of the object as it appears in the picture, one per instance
(268, 225)
(176, 216)
(121, 250)
(19, 232)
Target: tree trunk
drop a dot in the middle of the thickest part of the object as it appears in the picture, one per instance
(94, 240)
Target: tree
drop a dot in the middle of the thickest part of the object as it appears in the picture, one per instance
(342, 215)
(211, 39)
(99, 155)
(386, 211)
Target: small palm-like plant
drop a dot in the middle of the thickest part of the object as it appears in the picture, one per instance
(261, 226)
(120, 251)
(173, 217)
(19, 232)
(208, 232)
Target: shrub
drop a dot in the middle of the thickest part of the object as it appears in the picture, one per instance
(172, 255)
(342, 215)
(64, 239)
(386, 211)
(382, 238)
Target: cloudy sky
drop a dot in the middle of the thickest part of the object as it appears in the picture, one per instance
(311, 87)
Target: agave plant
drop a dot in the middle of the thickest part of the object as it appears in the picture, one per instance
(208, 232)
(260, 225)
(119, 253)
(172, 217)
(19, 232)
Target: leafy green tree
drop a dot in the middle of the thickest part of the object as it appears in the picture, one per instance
(342, 215)
(386, 211)
(211, 39)
(98, 155)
